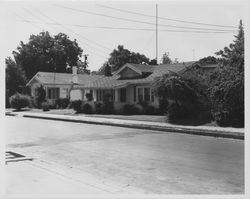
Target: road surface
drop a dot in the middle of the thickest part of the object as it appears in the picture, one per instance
(120, 160)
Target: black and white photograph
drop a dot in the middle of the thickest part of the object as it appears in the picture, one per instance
(126, 98)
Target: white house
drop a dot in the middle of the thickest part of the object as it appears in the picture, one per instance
(130, 84)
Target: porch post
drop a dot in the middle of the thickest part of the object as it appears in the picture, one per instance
(116, 95)
(94, 94)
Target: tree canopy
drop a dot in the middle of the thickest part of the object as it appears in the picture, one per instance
(166, 59)
(208, 60)
(186, 96)
(227, 84)
(174, 87)
(121, 56)
(233, 55)
(15, 78)
(47, 53)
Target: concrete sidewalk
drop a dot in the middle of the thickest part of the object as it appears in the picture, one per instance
(228, 132)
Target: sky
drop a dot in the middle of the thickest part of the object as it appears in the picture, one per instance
(79, 19)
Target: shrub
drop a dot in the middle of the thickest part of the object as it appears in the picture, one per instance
(176, 112)
(62, 103)
(52, 105)
(144, 104)
(148, 109)
(104, 108)
(222, 118)
(98, 107)
(108, 108)
(151, 110)
(19, 101)
(89, 96)
(130, 109)
(86, 108)
(163, 106)
(77, 105)
(39, 97)
(45, 106)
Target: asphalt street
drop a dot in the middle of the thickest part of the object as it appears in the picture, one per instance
(120, 160)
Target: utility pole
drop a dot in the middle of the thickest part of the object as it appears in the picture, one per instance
(156, 37)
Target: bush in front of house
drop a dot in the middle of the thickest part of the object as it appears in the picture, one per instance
(222, 118)
(98, 107)
(130, 109)
(87, 108)
(62, 103)
(104, 107)
(150, 110)
(45, 106)
(176, 112)
(89, 96)
(19, 101)
(108, 108)
(163, 106)
(77, 105)
(39, 96)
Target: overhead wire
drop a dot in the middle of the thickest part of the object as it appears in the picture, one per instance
(70, 31)
(125, 28)
(83, 37)
(164, 18)
(136, 21)
(34, 25)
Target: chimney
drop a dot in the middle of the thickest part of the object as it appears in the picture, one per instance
(74, 75)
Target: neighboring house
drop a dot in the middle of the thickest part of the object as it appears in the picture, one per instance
(132, 83)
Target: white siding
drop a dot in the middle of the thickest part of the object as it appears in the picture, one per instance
(76, 94)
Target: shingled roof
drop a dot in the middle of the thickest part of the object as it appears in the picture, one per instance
(155, 70)
(101, 81)
(62, 78)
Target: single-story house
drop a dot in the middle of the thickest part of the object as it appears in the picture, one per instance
(130, 84)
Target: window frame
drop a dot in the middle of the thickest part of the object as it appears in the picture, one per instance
(151, 95)
(53, 93)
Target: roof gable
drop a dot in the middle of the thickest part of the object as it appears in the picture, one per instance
(128, 73)
(125, 66)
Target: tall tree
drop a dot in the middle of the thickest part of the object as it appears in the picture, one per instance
(15, 78)
(121, 56)
(227, 84)
(234, 54)
(101, 70)
(166, 59)
(46, 53)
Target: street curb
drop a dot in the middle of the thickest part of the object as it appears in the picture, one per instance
(176, 129)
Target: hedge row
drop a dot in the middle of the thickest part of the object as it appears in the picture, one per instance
(108, 108)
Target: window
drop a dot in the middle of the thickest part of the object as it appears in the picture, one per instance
(102, 95)
(140, 94)
(53, 93)
(123, 95)
(147, 94)
(152, 96)
(134, 93)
